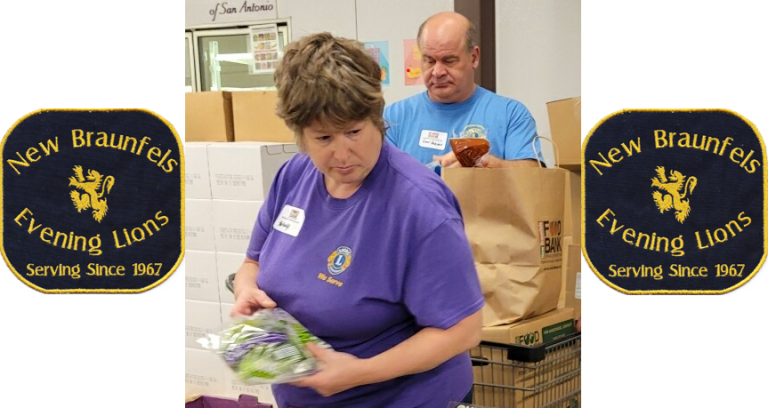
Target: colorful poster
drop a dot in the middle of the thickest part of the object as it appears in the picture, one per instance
(379, 50)
(412, 59)
(264, 48)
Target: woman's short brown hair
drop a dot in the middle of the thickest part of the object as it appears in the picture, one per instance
(330, 80)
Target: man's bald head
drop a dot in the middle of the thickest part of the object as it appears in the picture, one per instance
(448, 23)
(449, 57)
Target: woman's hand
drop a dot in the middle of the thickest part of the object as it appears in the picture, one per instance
(249, 300)
(248, 297)
(338, 371)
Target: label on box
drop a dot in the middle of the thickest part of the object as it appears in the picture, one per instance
(578, 286)
(557, 331)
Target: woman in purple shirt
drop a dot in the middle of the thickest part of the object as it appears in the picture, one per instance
(362, 244)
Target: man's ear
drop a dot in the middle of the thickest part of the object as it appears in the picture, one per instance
(475, 57)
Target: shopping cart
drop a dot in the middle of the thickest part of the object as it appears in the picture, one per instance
(230, 282)
(515, 376)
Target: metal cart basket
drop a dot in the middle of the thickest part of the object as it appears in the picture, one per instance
(515, 376)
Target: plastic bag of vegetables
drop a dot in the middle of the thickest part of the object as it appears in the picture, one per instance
(268, 347)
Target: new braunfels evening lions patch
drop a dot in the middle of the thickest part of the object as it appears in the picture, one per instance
(92, 200)
(674, 201)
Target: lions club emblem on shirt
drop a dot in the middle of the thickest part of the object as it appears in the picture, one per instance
(474, 131)
(339, 260)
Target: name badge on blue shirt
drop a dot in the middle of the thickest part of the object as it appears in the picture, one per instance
(432, 139)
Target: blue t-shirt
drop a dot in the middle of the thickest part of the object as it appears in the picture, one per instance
(367, 272)
(421, 127)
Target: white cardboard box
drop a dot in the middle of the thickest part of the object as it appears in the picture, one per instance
(200, 319)
(225, 309)
(233, 223)
(227, 264)
(204, 373)
(197, 181)
(201, 277)
(198, 225)
(233, 388)
(245, 170)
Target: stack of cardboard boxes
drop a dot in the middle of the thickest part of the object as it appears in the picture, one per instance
(234, 116)
(565, 125)
(226, 184)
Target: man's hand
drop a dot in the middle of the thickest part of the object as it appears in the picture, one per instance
(494, 162)
(338, 371)
(447, 160)
(488, 160)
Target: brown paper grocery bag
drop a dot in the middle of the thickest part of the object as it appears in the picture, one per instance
(513, 218)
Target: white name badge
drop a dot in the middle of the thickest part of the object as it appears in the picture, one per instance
(290, 220)
(432, 139)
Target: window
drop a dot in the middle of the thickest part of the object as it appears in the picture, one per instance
(223, 59)
(189, 64)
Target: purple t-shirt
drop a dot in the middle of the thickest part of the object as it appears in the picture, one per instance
(367, 272)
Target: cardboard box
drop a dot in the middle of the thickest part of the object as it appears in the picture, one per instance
(573, 284)
(226, 308)
(541, 329)
(565, 125)
(234, 388)
(245, 171)
(197, 182)
(242, 401)
(198, 225)
(200, 276)
(233, 223)
(255, 119)
(570, 295)
(208, 117)
(203, 372)
(227, 264)
(572, 219)
(200, 319)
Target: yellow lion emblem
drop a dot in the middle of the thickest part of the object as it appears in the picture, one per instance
(672, 186)
(91, 199)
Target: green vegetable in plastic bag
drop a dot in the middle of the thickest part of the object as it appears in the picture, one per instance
(268, 347)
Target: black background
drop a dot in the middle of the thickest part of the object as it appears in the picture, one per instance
(141, 189)
(724, 190)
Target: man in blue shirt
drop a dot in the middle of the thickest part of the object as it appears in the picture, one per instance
(454, 106)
